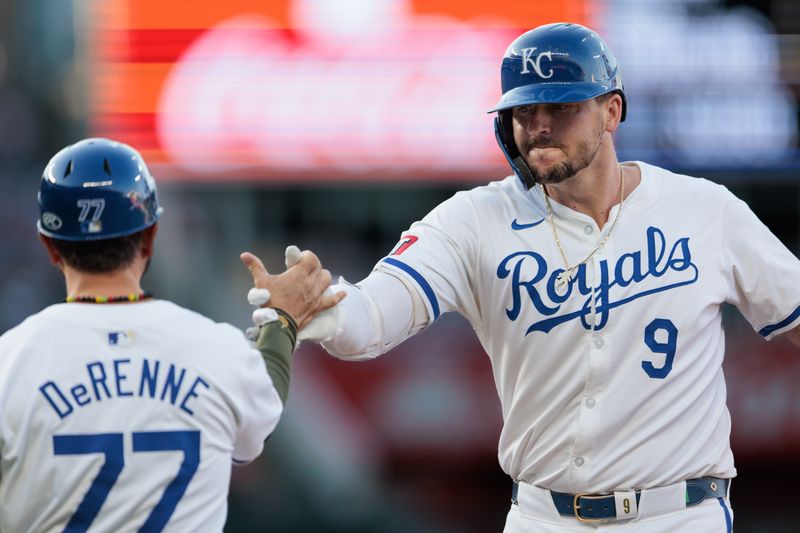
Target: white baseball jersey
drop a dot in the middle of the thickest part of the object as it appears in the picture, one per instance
(126, 416)
(614, 381)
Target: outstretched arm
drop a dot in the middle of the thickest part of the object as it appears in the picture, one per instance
(379, 313)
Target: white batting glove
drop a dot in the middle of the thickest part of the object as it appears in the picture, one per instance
(293, 256)
(261, 316)
(326, 324)
(258, 297)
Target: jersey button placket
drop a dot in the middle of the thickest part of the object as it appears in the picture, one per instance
(590, 416)
(598, 358)
(598, 342)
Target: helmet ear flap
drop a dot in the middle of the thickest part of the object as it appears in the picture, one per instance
(507, 131)
(504, 133)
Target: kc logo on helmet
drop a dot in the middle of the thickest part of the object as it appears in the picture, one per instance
(527, 58)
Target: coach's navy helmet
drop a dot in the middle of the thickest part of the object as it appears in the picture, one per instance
(553, 64)
(96, 189)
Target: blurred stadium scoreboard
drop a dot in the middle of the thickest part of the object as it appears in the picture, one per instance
(308, 89)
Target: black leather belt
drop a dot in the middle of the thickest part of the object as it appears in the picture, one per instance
(604, 507)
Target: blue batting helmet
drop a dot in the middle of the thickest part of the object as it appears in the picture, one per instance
(552, 64)
(96, 189)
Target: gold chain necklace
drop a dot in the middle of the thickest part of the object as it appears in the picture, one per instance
(569, 272)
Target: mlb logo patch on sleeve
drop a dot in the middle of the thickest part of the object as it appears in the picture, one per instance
(121, 338)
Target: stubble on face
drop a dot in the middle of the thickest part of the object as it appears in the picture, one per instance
(586, 151)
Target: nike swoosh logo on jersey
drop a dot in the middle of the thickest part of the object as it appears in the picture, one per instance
(517, 226)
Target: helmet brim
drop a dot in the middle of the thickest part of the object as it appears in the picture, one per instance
(550, 93)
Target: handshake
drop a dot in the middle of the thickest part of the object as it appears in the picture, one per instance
(303, 291)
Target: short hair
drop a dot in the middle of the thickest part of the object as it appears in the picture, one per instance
(100, 256)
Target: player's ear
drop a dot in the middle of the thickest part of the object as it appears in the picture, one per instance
(148, 240)
(612, 106)
(52, 253)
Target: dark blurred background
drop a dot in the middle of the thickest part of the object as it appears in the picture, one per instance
(335, 124)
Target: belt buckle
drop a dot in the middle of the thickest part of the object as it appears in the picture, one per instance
(576, 507)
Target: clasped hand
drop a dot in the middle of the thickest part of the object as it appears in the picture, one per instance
(303, 291)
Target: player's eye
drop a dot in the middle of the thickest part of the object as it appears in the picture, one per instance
(523, 111)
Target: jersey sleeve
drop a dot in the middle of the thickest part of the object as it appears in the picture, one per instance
(257, 405)
(437, 254)
(765, 274)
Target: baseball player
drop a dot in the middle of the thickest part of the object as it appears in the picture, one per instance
(595, 288)
(120, 412)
